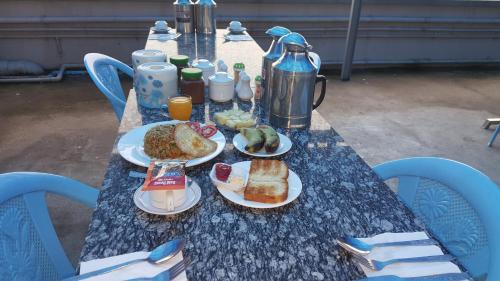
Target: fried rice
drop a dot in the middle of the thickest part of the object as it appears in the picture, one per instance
(159, 143)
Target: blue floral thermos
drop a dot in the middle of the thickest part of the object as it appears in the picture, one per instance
(155, 83)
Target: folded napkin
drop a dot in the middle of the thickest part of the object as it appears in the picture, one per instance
(163, 37)
(406, 269)
(137, 270)
(238, 37)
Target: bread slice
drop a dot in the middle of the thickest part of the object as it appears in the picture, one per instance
(267, 182)
(192, 143)
(266, 192)
(268, 170)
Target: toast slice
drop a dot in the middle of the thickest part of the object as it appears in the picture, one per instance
(192, 143)
(268, 170)
(267, 182)
(266, 191)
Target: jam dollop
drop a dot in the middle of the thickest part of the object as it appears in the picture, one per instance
(222, 171)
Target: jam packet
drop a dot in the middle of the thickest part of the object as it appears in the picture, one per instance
(165, 175)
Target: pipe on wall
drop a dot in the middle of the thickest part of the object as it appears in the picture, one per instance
(48, 78)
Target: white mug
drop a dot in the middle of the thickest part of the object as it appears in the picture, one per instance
(235, 25)
(167, 199)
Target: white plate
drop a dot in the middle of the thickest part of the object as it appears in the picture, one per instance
(142, 201)
(294, 190)
(239, 141)
(131, 146)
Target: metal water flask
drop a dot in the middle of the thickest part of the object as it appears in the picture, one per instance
(184, 16)
(205, 16)
(294, 78)
(273, 54)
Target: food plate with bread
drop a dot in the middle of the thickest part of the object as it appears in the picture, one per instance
(269, 184)
(171, 140)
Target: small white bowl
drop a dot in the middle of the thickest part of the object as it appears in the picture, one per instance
(234, 171)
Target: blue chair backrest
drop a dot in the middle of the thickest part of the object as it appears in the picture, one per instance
(29, 247)
(458, 204)
(102, 70)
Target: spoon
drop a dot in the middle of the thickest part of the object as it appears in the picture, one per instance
(160, 254)
(359, 247)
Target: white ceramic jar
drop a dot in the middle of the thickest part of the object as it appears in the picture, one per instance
(155, 83)
(206, 67)
(143, 56)
(221, 88)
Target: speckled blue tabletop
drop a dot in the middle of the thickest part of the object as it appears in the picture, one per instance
(341, 196)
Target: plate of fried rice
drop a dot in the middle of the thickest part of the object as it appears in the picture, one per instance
(156, 141)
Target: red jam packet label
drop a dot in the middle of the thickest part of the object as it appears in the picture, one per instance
(165, 176)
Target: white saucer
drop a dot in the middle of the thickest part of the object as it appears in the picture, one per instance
(193, 195)
(294, 190)
(242, 29)
(239, 141)
(161, 30)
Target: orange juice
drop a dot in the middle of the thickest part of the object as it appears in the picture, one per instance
(180, 108)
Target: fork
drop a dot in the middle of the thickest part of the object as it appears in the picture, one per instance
(169, 274)
(379, 265)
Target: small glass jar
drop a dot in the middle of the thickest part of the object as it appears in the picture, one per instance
(181, 62)
(192, 84)
(238, 67)
(258, 87)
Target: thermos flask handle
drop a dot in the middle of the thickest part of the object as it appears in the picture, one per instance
(322, 79)
(316, 59)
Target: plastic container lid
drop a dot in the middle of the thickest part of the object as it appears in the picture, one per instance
(202, 63)
(239, 66)
(179, 59)
(258, 78)
(221, 78)
(191, 73)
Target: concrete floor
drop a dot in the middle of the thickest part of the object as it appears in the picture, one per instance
(68, 128)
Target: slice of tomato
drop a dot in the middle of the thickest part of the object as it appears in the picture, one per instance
(195, 126)
(208, 131)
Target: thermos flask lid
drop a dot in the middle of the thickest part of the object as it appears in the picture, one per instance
(296, 39)
(206, 2)
(182, 2)
(278, 31)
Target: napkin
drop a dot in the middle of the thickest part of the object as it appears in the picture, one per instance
(238, 37)
(163, 37)
(137, 270)
(406, 269)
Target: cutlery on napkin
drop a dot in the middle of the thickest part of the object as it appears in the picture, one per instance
(397, 252)
(139, 270)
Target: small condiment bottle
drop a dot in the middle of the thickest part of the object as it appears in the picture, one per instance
(238, 67)
(238, 85)
(245, 91)
(181, 62)
(192, 84)
(258, 87)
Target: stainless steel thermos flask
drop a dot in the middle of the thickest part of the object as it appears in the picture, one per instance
(294, 78)
(205, 16)
(184, 16)
(273, 54)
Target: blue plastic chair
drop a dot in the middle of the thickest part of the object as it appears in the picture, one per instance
(494, 136)
(102, 70)
(459, 205)
(29, 247)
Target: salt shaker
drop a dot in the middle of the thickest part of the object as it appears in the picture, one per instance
(245, 92)
(238, 84)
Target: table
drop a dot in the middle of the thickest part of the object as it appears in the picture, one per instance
(341, 195)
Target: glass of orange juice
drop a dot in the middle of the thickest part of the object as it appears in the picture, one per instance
(179, 108)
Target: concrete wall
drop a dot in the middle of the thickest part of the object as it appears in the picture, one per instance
(53, 32)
